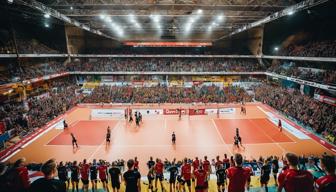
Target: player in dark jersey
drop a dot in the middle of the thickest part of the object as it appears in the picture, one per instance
(173, 172)
(151, 177)
(265, 175)
(221, 177)
(65, 125)
(108, 135)
(74, 176)
(236, 141)
(173, 138)
(132, 178)
(180, 113)
(140, 117)
(74, 141)
(275, 169)
(115, 174)
(150, 163)
(93, 175)
(280, 125)
(63, 174)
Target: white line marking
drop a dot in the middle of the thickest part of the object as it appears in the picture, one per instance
(214, 124)
(284, 130)
(99, 147)
(283, 150)
(46, 144)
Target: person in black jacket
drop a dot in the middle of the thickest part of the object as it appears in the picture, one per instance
(63, 173)
(48, 183)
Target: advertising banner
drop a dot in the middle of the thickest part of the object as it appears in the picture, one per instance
(196, 111)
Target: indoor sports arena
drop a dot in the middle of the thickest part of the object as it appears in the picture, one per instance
(167, 96)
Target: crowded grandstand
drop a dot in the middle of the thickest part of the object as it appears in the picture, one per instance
(164, 95)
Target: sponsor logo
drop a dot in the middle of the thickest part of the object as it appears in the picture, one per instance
(227, 110)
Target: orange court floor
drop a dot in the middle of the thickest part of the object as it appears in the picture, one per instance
(197, 135)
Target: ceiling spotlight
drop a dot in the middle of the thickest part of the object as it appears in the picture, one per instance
(71, 8)
(46, 25)
(290, 12)
(10, 1)
(220, 17)
(46, 15)
(199, 11)
(276, 48)
(102, 16)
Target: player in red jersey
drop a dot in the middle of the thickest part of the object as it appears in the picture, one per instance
(136, 164)
(328, 182)
(237, 175)
(195, 164)
(206, 165)
(201, 180)
(84, 171)
(293, 179)
(226, 162)
(280, 125)
(158, 173)
(102, 170)
(218, 162)
(186, 173)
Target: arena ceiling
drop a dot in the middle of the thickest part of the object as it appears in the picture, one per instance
(177, 20)
(199, 20)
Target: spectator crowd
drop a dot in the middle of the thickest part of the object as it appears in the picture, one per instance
(319, 116)
(168, 64)
(162, 94)
(306, 71)
(37, 111)
(291, 173)
(326, 48)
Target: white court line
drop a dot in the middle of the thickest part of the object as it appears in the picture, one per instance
(284, 118)
(261, 109)
(283, 150)
(99, 147)
(214, 124)
(46, 144)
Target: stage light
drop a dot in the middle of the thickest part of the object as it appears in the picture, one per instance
(102, 16)
(10, 1)
(46, 15)
(220, 18)
(199, 11)
(276, 48)
(46, 25)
